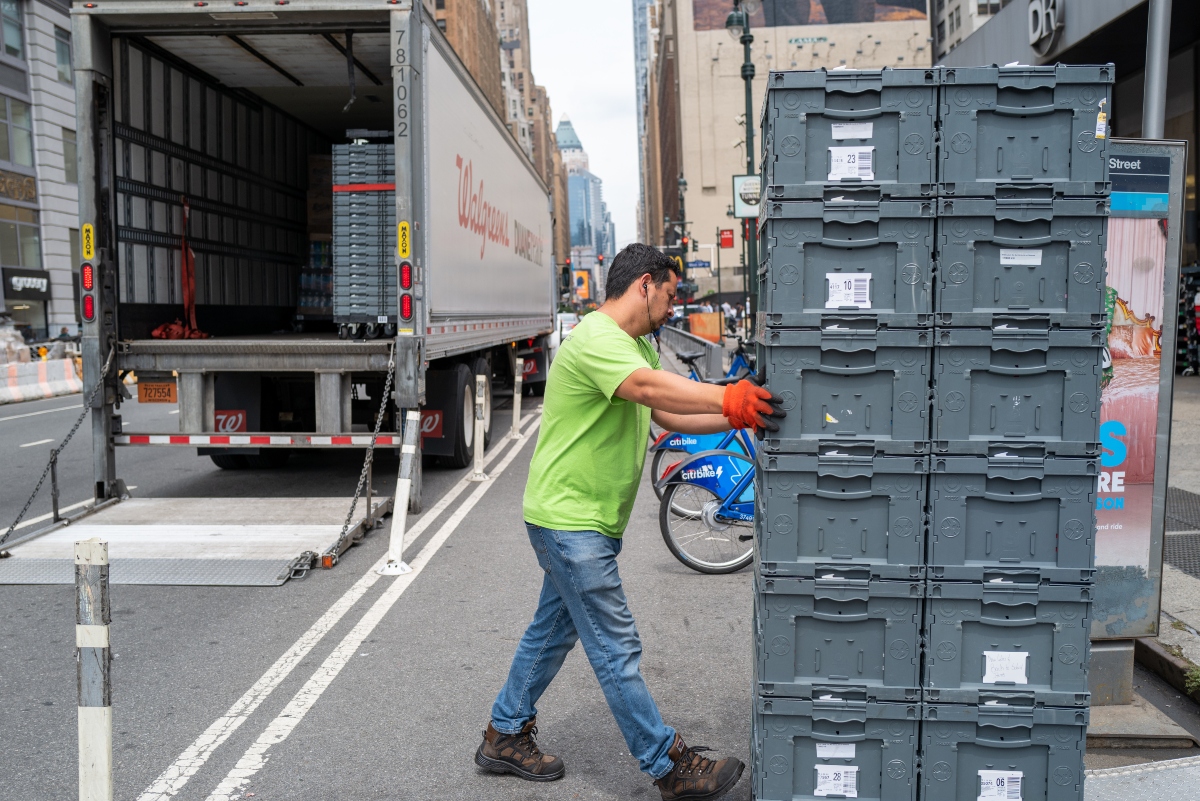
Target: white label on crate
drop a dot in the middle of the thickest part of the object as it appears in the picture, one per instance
(1101, 124)
(1021, 257)
(852, 162)
(837, 780)
(381, 318)
(1000, 784)
(835, 750)
(1005, 666)
(848, 290)
(853, 130)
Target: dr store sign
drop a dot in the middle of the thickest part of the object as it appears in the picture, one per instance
(1045, 23)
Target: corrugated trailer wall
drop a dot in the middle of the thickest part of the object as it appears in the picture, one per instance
(241, 165)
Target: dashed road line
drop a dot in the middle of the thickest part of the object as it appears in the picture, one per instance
(255, 757)
(172, 780)
(43, 411)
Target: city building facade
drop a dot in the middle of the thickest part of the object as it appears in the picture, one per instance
(470, 26)
(693, 116)
(953, 20)
(39, 194)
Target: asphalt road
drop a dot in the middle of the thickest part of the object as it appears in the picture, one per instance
(390, 702)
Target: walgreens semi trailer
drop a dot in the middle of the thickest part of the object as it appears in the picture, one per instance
(197, 121)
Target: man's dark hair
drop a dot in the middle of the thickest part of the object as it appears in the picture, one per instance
(634, 261)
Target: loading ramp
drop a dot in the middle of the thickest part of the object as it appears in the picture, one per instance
(199, 541)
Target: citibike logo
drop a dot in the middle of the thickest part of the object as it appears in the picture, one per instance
(701, 471)
(680, 440)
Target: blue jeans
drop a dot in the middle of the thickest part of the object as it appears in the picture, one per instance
(582, 597)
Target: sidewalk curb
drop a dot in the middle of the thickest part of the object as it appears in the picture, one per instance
(1173, 670)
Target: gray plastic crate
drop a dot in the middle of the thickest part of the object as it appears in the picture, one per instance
(840, 508)
(1045, 745)
(813, 121)
(1043, 258)
(1004, 129)
(849, 383)
(878, 742)
(839, 632)
(1025, 385)
(827, 261)
(965, 621)
(1012, 510)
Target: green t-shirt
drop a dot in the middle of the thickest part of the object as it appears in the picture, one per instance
(592, 446)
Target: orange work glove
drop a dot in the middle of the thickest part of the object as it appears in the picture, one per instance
(748, 405)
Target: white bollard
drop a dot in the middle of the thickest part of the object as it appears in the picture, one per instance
(518, 380)
(93, 659)
(409, 454)
(479, 475)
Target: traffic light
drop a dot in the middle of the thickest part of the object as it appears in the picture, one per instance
(683, 242)
(695, 246)
(600, 259)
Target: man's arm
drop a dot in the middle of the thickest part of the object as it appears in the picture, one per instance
(690, 423)
(672, 393)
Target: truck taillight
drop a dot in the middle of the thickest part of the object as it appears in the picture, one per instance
(405, 275)
(88, 276)
(89, 308)
(406, 307)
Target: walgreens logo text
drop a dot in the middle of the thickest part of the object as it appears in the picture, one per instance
(476, 214)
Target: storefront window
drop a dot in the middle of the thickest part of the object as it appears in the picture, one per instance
(14, 37)
(70, 156)
(62, 47)
(16, 132)
(20, 238)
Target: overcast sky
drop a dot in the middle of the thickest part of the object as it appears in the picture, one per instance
(583, 54)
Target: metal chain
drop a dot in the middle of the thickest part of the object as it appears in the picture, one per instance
(87, 407)
(362, 477)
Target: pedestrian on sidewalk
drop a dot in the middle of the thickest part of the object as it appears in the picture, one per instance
(604, 387)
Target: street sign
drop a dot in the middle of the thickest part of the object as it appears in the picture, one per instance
(699, 264)
(726, 237)
(747, 189)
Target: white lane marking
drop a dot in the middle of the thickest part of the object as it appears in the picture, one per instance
(256, 755)
(171, 781)
(173, 411)
(39, 442)
(43, 411)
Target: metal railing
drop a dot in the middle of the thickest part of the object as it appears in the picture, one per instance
(713, 363)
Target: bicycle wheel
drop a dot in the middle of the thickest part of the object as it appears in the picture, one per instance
(701, 540)
(660, 464)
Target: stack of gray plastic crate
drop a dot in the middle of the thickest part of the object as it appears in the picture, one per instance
(364, 233)
(846, 339)
(933, 318)
(1018, 358)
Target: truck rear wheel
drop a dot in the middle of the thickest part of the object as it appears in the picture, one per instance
(464, 434)
(228, 461)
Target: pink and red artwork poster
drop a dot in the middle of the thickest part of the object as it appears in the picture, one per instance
(1130, 391)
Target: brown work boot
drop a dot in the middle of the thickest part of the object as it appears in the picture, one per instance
(697, 778)
(518, 754)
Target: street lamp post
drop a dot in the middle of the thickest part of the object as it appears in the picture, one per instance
(737, 24)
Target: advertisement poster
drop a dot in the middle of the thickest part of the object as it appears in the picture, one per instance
(1137, 256)
(709, 15)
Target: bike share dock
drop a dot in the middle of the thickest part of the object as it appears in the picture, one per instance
(199, 541)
